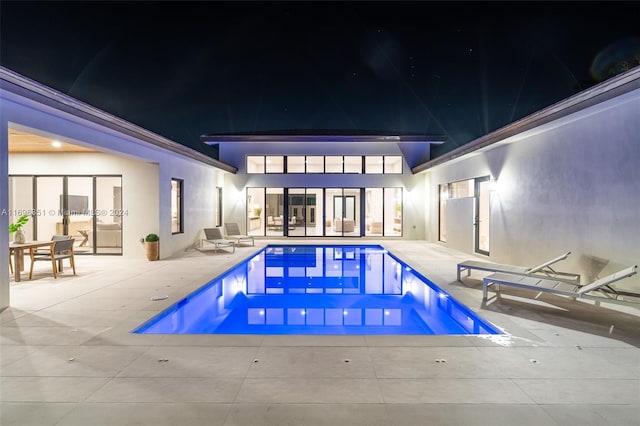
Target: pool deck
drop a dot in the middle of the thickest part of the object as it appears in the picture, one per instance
(68, 358)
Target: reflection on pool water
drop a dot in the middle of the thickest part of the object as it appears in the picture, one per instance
(335, 289)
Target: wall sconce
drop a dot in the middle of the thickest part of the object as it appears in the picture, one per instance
(493, 185)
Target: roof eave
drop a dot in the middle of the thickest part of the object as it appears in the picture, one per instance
(602, 92)
(20, 85)
(222, 138)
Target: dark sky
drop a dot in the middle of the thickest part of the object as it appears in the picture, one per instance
(458, 69)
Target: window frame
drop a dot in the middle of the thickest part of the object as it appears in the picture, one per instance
(179, 205)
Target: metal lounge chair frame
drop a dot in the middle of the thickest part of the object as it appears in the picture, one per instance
(214, 236)
(233, 232)
(599, 290)
(543, 270)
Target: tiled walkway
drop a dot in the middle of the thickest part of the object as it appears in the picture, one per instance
(68, 358)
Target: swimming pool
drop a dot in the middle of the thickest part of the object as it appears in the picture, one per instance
(331, 289)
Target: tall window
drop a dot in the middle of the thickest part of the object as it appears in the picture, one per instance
(444, 195)
(218, 206)
(176, 206)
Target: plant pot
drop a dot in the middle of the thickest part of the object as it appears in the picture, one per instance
(152, 250)
(18, 237)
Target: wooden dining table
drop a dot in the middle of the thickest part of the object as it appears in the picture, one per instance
(18, 254)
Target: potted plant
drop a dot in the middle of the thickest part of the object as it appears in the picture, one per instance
(151, 242)
(16, 228)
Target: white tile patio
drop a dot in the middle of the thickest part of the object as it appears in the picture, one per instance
(68, 357)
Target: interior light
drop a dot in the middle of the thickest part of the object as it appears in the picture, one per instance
(56, 144)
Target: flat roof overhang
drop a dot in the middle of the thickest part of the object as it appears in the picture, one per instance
(319, 136)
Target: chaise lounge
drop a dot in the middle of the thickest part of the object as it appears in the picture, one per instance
(214, 236)
(543, 270)
(233, 232)
(599, 290)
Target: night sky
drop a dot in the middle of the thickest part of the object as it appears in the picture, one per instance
(455, 69)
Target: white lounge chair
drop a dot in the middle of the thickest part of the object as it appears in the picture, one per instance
(233, 232)
(543, 270)
(599, 290)
(214, 236)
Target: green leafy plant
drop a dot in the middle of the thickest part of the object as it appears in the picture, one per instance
(150, 238)
(22, 220)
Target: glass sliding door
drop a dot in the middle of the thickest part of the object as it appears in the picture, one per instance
(297, 209)
(106, 238)
(274, 211)
(87, 208)
(21, 203)
(392, 212)
(77, 205)
(343, 212)
(313, 212)
(351, 212)
(50, 198)
(255, 211)
(374, 212)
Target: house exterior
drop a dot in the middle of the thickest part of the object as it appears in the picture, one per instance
(562, 179)
(338, 184)
(565, 178)
(109, 182)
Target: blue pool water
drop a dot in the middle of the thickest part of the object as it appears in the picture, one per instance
(335, 289)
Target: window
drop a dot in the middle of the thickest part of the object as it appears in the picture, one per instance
(218, 206)
(353, 164)
(462, 189)
(444, 194)
(295, 164)
(176, 206)
(315, 164)
(392, 164)
(274, 164)
(373, 164)
(333, 164)
(255, 164)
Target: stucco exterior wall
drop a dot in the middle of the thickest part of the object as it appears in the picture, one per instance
(571, 185)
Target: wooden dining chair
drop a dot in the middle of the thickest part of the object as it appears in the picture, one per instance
(60, 250)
